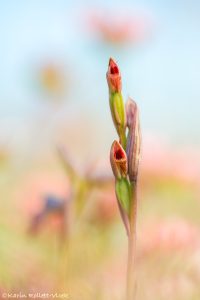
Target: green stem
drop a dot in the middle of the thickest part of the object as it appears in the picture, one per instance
(123, 139)
(130, 291)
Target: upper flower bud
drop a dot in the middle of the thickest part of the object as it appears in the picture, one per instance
(114, 77)
(118, 160)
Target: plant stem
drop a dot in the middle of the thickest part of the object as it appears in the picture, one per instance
(123, 139)
(130, 291)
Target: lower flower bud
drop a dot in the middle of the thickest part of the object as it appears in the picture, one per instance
(118, 160)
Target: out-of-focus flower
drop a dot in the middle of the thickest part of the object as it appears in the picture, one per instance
(119, 28)
(52, 79)
(31, 191)
(160, 160)
(54, 212)
(169, 235)
(41, 211)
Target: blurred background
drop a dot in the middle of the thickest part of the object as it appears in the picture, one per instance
(60, 229)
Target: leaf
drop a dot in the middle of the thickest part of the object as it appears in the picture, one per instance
(123, 193)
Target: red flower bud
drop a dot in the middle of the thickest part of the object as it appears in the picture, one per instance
(114, 77)
(118, 160)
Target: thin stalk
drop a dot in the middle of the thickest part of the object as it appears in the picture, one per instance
(123, 139)
(131, 284)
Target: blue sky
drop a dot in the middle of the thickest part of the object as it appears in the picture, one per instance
(162, 74)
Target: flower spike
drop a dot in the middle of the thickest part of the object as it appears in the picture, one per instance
(124, 159)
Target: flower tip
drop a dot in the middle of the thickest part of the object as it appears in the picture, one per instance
(113, 77)
(118, 151)
(113, 67)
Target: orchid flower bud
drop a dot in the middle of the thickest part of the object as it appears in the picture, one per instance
(133, 140)
(118, 160)
(116, 100)
(114, 77)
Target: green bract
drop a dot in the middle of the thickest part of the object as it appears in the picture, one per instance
(123, 192)
(118, 115)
